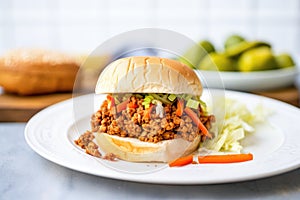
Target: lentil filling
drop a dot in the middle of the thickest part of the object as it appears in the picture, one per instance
(127, 116)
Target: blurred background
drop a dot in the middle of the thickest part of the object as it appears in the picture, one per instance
(79, 26)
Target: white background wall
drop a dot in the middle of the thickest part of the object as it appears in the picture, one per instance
(81, 25)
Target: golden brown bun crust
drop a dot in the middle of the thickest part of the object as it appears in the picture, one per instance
(148, 75)
(31, 71)
(134, 150)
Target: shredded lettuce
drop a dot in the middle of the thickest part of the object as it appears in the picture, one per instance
(238, 122)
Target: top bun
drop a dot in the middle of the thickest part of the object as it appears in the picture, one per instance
(148, 75)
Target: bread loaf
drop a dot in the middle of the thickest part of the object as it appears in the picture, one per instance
(32, 71)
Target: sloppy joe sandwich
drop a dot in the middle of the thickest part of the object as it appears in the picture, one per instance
(152, 111)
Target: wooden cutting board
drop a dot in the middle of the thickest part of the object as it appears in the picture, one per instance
(14, 108)
(289, 95)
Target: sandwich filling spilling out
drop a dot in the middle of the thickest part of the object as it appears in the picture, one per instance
(153, 117)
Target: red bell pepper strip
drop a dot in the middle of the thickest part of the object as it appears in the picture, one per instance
(122, 106)
(110, 101)
(197, 121)
(231, 158)
(148, 111)
(180, 106)
(182, 161)
(132, 105)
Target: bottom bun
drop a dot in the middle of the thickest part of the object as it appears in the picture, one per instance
(134, 150)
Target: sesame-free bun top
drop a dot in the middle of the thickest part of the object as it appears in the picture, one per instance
(143, 74)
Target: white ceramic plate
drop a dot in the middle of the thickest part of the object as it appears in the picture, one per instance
(251, 81)
(275, 146)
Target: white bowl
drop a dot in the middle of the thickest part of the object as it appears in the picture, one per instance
(249, 81)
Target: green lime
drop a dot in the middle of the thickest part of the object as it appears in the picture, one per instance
(192, 56)
(217, 61)
(257, 59)
(196, 53)
(285, 60)
(233, 40)
(237, 50)
(207, 46)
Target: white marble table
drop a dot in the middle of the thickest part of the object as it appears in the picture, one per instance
(26, 175)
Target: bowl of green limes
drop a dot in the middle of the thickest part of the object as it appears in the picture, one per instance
(242, 64)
